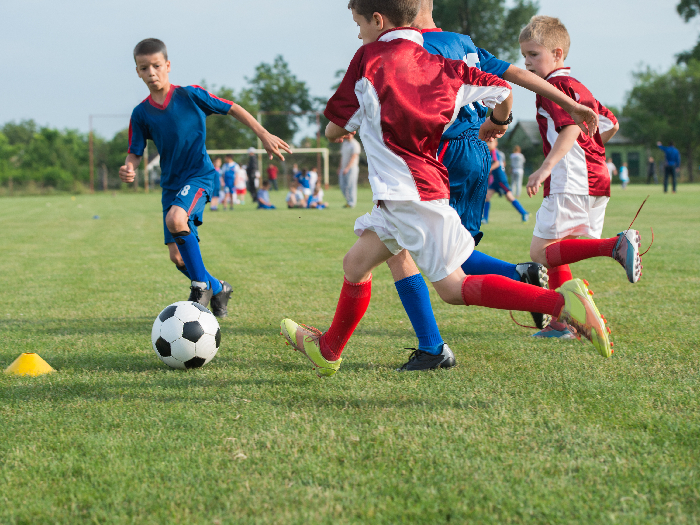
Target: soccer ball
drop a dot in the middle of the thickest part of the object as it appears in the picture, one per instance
(186, 335)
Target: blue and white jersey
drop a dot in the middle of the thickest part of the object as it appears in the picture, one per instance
(179, 131)
(461, 47)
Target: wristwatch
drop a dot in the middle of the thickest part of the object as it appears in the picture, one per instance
(504, 122)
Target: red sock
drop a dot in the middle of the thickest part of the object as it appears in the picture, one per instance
(559, 275)
(352, 305)
(575, 250)
(496, 291)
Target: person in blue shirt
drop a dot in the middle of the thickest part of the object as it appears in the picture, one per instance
(673, 162)
(229, 172)
(468, 161)
(174, 118)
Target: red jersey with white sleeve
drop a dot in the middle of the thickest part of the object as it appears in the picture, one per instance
(402, 99)
(583, 171)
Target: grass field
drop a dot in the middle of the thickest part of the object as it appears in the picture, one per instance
(522, 431)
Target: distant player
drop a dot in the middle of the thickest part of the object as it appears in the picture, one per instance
(216, 186)
(173, 118)
(229, 170)
(574, 173)
(499, 185)
(468, 161)
(402, 98)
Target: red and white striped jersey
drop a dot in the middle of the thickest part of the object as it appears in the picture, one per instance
(583, 171)
(402, 99)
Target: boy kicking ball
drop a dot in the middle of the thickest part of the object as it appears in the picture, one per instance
(574, 173)
(402, 98)
(173, 117)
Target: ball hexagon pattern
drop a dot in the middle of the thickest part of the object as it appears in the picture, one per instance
(186, 335)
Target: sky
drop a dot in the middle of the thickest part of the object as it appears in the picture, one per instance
(63, 61)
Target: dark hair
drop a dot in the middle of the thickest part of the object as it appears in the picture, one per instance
(400, 13)
(150, 46)
(671, 144)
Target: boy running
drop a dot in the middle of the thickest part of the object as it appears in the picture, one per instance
(574, 173)
(402, 98)
(499, 185)
(173, 118)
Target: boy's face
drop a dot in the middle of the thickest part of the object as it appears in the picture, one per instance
(153, 70)
(539, 60)
(370, 30)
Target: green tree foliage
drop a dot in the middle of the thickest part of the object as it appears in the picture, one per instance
(689, 9)
(666, 107)
(224, 132)
(491, 25)
(275, 88)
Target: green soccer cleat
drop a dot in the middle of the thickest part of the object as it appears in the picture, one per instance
(580, 312)
(305, 339)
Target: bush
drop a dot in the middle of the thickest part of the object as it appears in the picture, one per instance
(57, 178)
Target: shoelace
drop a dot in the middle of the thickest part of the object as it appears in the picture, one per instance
(633, 220)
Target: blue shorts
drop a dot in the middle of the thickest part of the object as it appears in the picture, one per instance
(216, 187)
(499, 184)
(228, 183)
(192, 198)
(468, 163)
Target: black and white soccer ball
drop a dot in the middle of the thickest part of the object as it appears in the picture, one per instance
(186, 335)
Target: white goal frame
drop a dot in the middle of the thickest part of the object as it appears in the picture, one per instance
(325, 152)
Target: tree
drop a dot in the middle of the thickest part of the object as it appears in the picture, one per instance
(666, 107)
(491, 25)
(275, 88)
(224, 132)
(689, 9)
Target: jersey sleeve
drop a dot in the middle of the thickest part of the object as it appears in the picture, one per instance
(491, 64)
(209, 103)
(343, 108)
(606, 119)
(479, 86)
(138, 135)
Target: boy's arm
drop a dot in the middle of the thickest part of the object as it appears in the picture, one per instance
(272, 144)
(565, 141)
(585, 117)
(335, 133)
(489, 129)
(127, 173)
(607, 135)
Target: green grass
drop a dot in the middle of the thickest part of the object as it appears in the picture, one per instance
(522, 431)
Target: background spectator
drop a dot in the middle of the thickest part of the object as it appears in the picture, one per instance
(673, 162)
(264, 197)
(517, 169)
(253, 173)
(651, 171)
(349, 170)
(272, 176)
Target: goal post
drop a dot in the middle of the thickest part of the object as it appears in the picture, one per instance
(325, 153)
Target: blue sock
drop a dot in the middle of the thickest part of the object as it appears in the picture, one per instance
(482, 264)
(416, 301)
(518, 207)
(487, 209)
(183, 270)
(214, 284)
(188, 246)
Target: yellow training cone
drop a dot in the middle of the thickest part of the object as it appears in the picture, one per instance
(29, 364)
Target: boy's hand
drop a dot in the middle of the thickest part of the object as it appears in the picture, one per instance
(585, 118)
(489, 130)
(273, 145)
(127, 172)
(535, 181)
(338, 140)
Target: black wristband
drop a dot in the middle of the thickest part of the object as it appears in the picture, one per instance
(502, 123)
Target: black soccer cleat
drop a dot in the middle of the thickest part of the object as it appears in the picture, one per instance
(200, 295)
(420, 360)
(536, 275)
(219, 302)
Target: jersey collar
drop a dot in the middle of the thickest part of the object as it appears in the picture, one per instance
(433, 30)
(406, 33)
(168, 97)
(561, 72)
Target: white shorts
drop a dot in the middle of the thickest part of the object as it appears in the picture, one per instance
(431, 232)
(563, 215)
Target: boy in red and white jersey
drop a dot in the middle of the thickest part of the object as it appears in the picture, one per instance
(574, 173)
(402, 98)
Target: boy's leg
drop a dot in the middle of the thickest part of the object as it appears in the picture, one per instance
(571, 303)
(324, 350)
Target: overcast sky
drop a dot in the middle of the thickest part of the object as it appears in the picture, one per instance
(63, 61)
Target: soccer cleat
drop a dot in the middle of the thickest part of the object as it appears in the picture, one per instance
(549, 332)
(526, 217)
(420, 360)
(626, 252)
(219, 302)
(306, 341)
(581, 313)
(200, 294)
(536, 275)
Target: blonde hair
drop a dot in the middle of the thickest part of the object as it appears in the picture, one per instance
(548, 32)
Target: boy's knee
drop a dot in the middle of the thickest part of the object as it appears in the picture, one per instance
(353, 271)
(539, 255)
(177, 220)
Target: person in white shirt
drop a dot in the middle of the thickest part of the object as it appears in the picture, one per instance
(612, 169)
(517, 168)
(313, 178)
(349, 170)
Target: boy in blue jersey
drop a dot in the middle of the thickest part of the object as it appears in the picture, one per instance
(468, 161)
(173, 118)
(229, 172)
